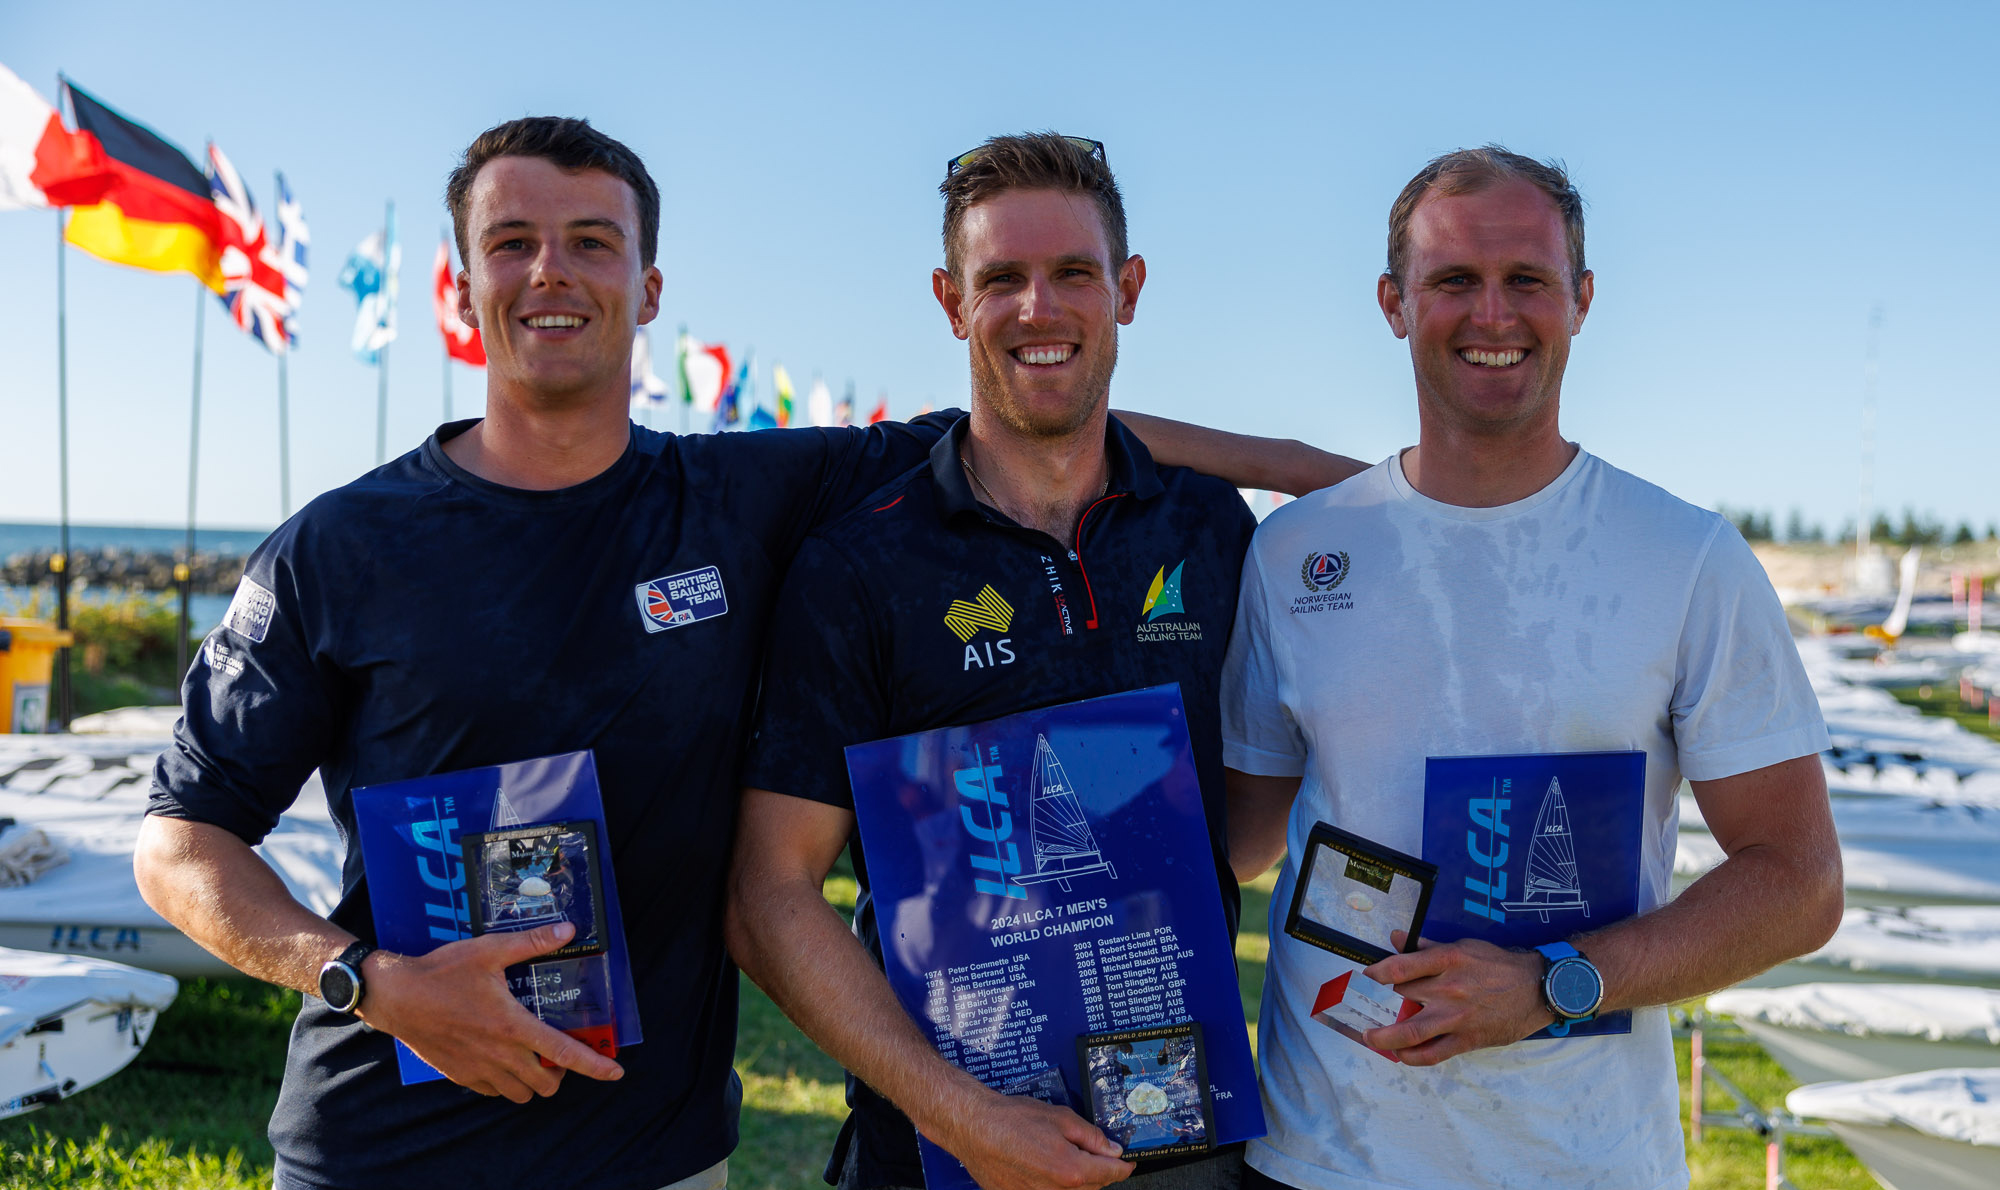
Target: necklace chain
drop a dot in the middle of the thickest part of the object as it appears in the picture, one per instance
(995, 500)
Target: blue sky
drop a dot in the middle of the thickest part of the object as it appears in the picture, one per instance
(1759, 177)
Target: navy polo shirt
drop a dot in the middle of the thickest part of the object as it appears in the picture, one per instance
(422, 620)
(924, 608)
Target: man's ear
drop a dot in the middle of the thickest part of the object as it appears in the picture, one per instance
(1390, 298)
(1585, 290)
(649, 302)
(466, 314)
(948, 296)
(1131, 279)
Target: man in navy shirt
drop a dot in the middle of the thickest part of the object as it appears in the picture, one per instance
(1056, 523)
(476, 602)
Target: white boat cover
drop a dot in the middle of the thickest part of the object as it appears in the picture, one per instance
(1914, 817)
(136, 721)
(89, 793)
(1928, 1012)
(1895, 871)
(35, 987)
(1955, 942)
(1961, 1104)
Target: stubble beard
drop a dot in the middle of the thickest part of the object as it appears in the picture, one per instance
(991, 393)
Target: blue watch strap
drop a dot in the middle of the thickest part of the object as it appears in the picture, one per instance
(1552, 951)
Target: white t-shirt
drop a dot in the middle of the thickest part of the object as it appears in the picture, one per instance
(1598, 614)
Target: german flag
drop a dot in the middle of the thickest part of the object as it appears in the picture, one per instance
(156, 212)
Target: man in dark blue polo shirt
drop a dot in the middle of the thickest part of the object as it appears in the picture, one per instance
(1055, 524)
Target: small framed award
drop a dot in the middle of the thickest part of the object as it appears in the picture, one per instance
(522, 877)
(1353, 893)
(1148, 1089)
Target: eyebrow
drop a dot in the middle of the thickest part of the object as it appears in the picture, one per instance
(595, 223)
(1021, 266)
(1511, 267)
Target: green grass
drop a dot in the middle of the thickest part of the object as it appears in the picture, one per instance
(1942, 700)
(190, 1110)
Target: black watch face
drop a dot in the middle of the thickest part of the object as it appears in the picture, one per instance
(1574, 988)
(337, 987)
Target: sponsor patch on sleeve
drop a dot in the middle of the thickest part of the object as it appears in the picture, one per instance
(250, 612)
(680, 599)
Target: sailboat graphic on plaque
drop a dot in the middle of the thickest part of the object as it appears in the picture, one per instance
(1060, 834)
(1551, 884)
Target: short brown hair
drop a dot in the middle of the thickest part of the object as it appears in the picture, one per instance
(569, 144)
(1032, 161)
(1468, 171)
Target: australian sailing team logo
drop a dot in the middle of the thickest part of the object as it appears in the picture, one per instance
(1322, 573)
(1163, 598)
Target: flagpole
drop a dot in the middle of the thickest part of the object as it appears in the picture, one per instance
(284, 420)
(680, 377)
(184, 571)
(65, 699)
(382, 352)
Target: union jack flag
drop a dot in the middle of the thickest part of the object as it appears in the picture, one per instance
(255, 286)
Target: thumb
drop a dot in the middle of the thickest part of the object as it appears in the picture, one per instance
(1088, 1137)
(520, 946)
(1400, 939)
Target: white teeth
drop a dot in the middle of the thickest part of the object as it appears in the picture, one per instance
(550, 321)
(1492, 359)
(1044, 355)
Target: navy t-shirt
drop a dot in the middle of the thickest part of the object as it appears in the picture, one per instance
(1056, 622)
(422, 620)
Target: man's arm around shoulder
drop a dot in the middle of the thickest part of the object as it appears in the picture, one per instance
(451, 1006)
(795, 946)
(1776, 896)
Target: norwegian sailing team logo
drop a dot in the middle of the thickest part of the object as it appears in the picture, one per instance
(1324, 572)
(1163, 598)
(675, 600)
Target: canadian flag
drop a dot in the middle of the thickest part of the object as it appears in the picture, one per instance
(461, 342)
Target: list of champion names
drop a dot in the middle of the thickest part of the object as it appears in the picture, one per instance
(985, 1018)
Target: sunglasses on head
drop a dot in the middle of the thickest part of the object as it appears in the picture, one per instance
(1093, 147)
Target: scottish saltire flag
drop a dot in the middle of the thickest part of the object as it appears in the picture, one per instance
(370, 275)
(781, 384)
(253, 286)
(819, 404)
(290, 251)
(647, 388)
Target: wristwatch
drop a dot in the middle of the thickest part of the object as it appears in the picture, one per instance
(1571, 986)
(340, 980)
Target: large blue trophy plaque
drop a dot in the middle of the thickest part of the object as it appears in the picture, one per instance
(1048, 875)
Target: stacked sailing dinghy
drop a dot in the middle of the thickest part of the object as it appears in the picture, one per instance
(68, 1022)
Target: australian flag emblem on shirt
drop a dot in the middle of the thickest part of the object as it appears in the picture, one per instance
(679, 599)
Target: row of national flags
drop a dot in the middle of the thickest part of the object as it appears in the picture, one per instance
(137, 199)
(709, 379)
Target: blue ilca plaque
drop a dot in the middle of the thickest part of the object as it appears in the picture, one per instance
(1048, 875)
(1534, 848)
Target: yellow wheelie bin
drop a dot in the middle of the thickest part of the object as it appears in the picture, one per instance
(27, 658)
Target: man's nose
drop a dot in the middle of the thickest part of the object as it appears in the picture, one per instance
(551, 266)
(1038, 301)
(1494, 306)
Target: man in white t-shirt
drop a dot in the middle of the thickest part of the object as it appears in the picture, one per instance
(1496, 590)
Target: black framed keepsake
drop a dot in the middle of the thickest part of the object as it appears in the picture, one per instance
(1148, 1089)
(523, 877)
(1352, 893)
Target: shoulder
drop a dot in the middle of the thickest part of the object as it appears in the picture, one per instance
(1620, 497)
(1306, 521)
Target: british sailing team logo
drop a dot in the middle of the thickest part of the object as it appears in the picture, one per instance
(1163, 598)
(674, 600)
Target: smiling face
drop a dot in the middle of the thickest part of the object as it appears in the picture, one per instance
(554, 282)
(1039, 302)
(1489, 307)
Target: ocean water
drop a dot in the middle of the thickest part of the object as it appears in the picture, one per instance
(22, 538)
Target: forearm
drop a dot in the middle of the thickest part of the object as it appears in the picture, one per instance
(796, 947)
(1751, 912)
(1245, 460)
(1260, 808)
(217, 891)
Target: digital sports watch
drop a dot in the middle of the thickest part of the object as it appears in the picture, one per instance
(1571, 987)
